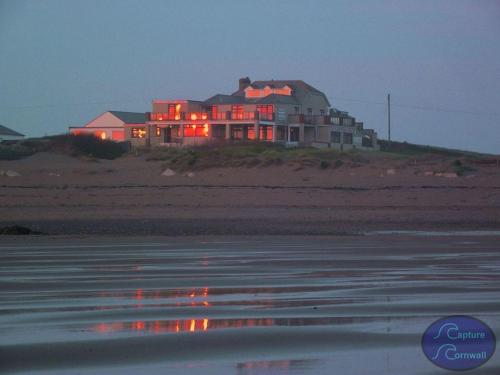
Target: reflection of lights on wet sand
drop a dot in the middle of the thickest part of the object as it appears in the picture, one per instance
(186, 325)
(197, 298)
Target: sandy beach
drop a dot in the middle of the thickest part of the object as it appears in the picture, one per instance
(58, 194)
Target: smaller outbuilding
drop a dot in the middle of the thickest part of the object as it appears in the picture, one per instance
(9, 135)
(110, 125)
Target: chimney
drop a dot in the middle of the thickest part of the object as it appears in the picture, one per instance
(244, 83)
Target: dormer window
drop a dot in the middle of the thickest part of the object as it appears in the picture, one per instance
(252, 92)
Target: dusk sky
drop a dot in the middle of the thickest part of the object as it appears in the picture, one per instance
(63, 62)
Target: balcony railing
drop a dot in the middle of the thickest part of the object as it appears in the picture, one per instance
(165, 116)
(243, 116)
(203, 116)
(266, 116)
(309, 119)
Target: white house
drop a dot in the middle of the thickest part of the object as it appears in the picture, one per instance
(7, 134)
(110, 125)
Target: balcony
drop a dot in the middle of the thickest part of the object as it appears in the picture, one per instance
(262, 116)
(164, 116)
(309, 119)
(243, 116)
(217, 116)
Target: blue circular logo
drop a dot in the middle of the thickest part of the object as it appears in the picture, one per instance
(458, 343)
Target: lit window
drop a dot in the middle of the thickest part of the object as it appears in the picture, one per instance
(138, 133)
(196, 130)
(158, 131)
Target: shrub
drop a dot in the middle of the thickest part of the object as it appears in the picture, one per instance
(323, 164)
(338, 163)
(92, 146)
(14, 152)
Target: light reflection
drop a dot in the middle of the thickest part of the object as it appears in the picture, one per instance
(206, 324)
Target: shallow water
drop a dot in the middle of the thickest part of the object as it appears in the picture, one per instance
(291, 305)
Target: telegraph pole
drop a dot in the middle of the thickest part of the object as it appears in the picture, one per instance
(389, 116)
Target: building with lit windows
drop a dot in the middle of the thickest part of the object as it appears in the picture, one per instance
(290, 112)
(111, 125)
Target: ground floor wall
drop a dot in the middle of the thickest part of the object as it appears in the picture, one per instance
(113, 134)
(292, 134)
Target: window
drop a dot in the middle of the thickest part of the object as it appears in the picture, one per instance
(218, 131)
(335, 137)
(348, 138)
(117, 135)
(296, 109)
(174, 111)
(322, 112)
(138, 133)
(236, 132)
(294, 134)
(196, 130)
(265, 112)
(309, 111)
(237, 112)
(250, 132)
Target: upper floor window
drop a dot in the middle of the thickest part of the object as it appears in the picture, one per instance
(265, 111)
(309, 111)
(322, 112)
(237, 110)
(296, 109)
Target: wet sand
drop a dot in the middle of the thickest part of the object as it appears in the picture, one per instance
(238, 305)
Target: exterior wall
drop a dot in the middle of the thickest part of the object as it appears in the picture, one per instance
(113, 134)
(104, 126)
(309, 135)
(106, 120)
(137, 142)
(6, 137)
(186, 105)
(316, 102)
(323, 134)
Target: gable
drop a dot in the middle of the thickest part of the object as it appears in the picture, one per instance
(105, 120)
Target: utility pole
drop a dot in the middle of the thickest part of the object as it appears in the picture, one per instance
(389, 116)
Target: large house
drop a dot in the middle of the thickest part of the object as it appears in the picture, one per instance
(290, 112)
(110, 125)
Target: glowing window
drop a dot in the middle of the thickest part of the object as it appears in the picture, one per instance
(138, 133)
(196, 130)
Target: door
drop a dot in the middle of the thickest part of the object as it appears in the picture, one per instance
(167, 135)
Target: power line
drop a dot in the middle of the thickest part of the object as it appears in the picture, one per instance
(400, 105)
(421, 108)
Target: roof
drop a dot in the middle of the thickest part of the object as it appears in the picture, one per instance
(6, 131)
(299, 87)
(277, 99)
(233, 99)
(224, 99)
(130, 117)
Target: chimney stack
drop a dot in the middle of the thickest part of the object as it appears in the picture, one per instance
(244, 83)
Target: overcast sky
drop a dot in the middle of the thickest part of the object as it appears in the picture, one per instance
(64, 62)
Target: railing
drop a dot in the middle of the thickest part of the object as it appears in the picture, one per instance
(243, 115)
(220, 115)
(203, 116)
(266, 116)
(196, 116)
(309, 119)
(165, 116)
